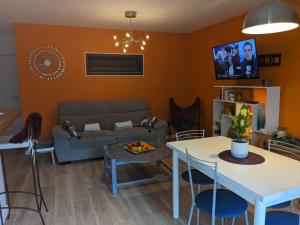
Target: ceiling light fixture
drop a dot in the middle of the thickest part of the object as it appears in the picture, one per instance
(128, 40)
(273, 16)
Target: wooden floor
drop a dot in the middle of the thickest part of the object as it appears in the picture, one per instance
(77, 194)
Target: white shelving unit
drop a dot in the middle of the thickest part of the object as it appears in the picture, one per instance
(265, 115)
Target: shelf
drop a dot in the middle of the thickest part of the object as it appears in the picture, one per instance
(220, 100)
(262, 87)
(264, 113)
(225, 115)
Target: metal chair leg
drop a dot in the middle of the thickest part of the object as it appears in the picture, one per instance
(38, 181)
(5, 184)
(233, 221)
(191, 214)
(1, 216)
(198, 216)
(292, 206)
(180, 172)
(246, 218)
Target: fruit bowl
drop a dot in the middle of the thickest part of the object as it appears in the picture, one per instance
(138, 147)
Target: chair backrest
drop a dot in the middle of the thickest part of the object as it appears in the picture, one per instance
(190, 134)
(31, 130)
(284, 148)
(206, 167)
(184, 118)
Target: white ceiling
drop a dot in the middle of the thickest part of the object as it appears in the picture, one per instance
(152, 15)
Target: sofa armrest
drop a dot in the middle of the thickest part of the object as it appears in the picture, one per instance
(59, 132)
(160, 124)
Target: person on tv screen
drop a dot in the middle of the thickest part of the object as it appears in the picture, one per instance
(220, 64)
(249, 65)
(236, 60)
(228, 62)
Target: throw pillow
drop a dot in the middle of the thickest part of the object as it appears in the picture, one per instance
(149, 122)
(70, 128)
(92, 127)
(123, 125)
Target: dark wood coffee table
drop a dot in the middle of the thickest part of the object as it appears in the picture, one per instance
(116, 156)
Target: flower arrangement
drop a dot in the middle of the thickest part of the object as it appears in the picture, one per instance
(240, 122)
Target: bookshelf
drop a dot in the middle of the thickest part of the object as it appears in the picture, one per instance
(263, 103)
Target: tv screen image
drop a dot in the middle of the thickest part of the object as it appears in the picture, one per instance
(236, 60)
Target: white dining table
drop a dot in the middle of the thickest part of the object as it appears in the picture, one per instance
(275, 181)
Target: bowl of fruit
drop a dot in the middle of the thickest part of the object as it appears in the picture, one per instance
(138, 147)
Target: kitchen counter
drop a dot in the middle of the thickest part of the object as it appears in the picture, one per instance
(7, 117)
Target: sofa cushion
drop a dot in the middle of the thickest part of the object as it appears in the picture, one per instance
(92, 127)
(70, 128)
(82, 108)
(93, 139)
(80, 121)
(81, 113)
(135, 117)
(132, 134)
(127, 105)
(127, 109)
(124, 125)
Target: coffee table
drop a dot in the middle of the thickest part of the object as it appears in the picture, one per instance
(116, 156)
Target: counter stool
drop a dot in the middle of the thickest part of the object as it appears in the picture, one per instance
(46, 145)
(26, 140)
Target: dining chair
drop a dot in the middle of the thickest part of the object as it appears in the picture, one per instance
(282, 217)
(288, 150)
(198, 177)
(184, 118)
(219, 203)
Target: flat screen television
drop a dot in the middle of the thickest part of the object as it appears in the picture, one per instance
(236, 60)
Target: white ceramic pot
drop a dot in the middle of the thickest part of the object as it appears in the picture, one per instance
(239, 150)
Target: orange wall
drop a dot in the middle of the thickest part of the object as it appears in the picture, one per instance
(178, 65)
(202, 78)
(165, 68)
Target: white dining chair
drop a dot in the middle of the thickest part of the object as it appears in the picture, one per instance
(219, 203)
(288, 150)
(198, 177)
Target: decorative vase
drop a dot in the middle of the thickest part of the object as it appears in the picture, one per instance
(239, 149)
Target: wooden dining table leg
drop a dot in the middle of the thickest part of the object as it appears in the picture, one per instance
(175, 185)
(259, 213)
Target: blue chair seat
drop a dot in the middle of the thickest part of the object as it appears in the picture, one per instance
(198, 177)
(281, 205)
(228, 204)
(281, 218)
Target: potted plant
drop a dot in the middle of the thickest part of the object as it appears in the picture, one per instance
(239, 145)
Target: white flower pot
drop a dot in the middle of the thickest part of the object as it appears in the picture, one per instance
(239, 150)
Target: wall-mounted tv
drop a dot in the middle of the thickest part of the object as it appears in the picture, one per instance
(236, 60)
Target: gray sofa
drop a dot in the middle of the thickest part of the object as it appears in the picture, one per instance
(91, 144)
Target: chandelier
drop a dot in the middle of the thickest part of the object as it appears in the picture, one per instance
(128, 40)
